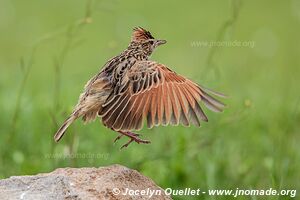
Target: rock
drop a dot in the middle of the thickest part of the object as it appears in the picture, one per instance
(110, 182)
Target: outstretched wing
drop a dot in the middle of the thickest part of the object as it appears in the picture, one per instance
(152, 91)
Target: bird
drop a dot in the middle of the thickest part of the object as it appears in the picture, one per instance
(130, 89)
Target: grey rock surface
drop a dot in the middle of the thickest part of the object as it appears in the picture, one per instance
(81, 183)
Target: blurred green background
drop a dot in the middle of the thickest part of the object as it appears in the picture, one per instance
(49, 49)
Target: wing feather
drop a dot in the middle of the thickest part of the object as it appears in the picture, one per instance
(192, 114)
(176, 109)
(152, 91)
(160, 110)
(183, 105)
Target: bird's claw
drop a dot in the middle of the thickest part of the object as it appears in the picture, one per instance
(117, 138)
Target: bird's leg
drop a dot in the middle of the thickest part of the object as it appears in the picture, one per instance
(122, 134)
(134, 137)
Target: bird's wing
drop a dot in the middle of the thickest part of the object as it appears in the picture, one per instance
(152, 91)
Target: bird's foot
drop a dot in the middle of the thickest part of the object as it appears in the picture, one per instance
(134, 137)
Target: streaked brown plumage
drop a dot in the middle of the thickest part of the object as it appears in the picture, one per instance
(130, 88)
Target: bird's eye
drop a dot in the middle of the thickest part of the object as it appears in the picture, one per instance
(151, 42)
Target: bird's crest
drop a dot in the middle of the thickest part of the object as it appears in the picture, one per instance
(139, 34)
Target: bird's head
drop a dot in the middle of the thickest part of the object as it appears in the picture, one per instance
(143, 40)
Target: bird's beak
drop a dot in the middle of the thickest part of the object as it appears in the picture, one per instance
(160, 42)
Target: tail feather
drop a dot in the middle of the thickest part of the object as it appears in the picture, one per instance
(61, 131)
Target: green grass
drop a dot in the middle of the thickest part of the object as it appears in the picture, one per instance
(47, 53)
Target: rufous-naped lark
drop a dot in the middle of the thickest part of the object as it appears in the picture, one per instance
(130, 88)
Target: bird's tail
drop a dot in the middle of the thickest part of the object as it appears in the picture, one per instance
(61, 131)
